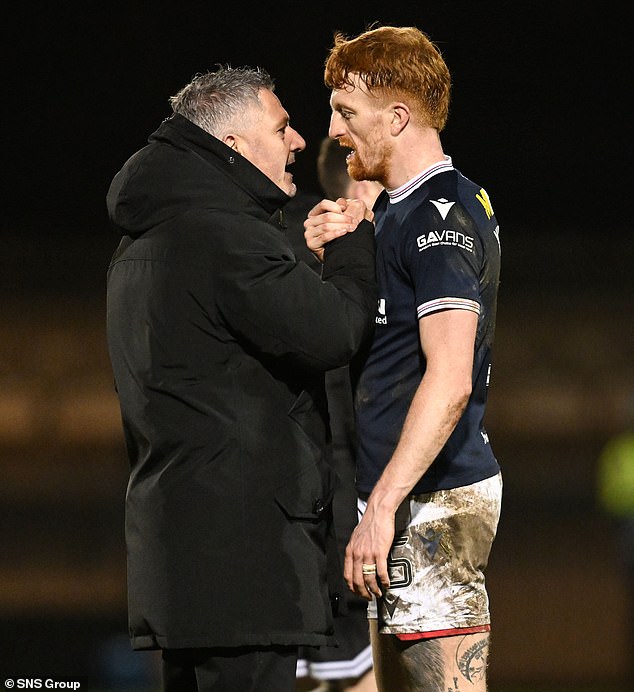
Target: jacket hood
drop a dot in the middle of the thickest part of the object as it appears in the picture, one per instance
(183, 168)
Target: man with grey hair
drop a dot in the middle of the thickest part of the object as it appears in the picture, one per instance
(219, 339)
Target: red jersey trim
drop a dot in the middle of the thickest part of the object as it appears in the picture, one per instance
(444, 633)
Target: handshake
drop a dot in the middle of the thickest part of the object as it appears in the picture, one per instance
(328, 220)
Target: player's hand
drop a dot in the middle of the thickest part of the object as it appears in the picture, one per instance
(365, 567)
(328, 220)
(357, 209)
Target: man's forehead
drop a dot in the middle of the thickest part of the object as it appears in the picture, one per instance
(268, 99)
(350, 93)
(273, 106)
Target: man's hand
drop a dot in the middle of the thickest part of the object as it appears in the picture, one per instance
(329, 220)
(365, 567)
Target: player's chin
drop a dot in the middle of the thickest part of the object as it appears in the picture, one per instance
(356, 170)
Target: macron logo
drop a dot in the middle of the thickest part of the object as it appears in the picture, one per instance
(443, 205)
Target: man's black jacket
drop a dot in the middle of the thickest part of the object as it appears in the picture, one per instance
(219, 339)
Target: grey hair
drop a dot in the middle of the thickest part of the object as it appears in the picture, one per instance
(215, 100)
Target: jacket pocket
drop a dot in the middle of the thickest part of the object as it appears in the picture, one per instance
(308, 494)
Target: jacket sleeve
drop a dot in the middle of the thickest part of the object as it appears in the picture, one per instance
(282, 308)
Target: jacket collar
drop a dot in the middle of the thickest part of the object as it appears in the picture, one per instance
(182, 132)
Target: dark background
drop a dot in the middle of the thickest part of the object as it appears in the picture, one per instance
(540, 117)
(539, 108)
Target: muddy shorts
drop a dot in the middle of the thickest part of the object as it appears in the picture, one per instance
(436, 565)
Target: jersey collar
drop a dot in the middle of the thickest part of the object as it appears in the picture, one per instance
(405, 190)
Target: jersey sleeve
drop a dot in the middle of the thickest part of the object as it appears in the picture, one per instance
(443, 258)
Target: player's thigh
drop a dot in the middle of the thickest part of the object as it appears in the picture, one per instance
(466, 658)
(433, 665)
(406, 666)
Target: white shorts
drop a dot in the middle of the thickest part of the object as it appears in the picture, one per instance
(441, 547)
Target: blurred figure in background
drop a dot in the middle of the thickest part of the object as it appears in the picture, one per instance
(615, 489)
(348, 666)
(332, 171)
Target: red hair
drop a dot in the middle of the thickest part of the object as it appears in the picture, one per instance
(394, 61)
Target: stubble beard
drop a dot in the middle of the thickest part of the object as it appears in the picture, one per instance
(377, 169)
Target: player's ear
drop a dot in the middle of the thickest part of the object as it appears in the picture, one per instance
(400, 116)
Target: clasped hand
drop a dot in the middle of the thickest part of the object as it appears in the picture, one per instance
(328, 220)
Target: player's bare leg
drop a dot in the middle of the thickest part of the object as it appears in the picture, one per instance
(444, 664)
(366, 683)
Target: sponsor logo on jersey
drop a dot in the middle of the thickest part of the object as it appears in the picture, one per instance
(381, 318)
(445, 237)
(484, 200)
(443, 205)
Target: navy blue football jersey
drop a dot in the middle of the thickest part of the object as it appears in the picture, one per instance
(438, 248)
